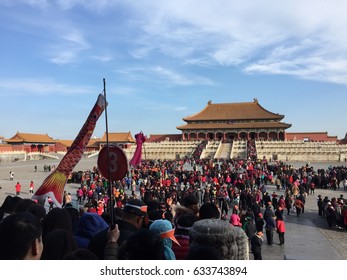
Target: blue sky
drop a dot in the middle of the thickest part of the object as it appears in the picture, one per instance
(164, 60)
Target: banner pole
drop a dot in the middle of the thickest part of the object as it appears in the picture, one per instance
(109, 189)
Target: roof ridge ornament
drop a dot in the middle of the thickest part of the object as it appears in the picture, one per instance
(209, 102)
(255, 100)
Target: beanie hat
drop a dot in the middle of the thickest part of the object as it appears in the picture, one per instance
(189, 200)
(165, 230)
(88, 225)
(186, 221)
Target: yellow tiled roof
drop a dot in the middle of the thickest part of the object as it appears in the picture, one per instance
(118, 137)
(233, 111)
(66, 143)
(94, 142)
(30, 138)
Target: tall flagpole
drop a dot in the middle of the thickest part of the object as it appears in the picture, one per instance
(109, 190)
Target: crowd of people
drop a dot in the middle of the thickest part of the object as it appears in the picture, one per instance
(178, 209)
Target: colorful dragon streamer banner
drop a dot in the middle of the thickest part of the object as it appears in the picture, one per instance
(53, 185)
(140, 139)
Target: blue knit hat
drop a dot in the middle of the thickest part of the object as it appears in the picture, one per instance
(165, 230)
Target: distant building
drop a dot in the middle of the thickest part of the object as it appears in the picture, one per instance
(63, 145)
(30, 142)
(234, 121)
(164, 137)
(310, 137)
(122, 139)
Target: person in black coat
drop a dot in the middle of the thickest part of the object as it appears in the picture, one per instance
(268, 212)
(266, 199)
(274, 200)
(256, 243)
(131, 221)
(256, 209)
(279, 213)
(259, 222)
(270, 228)
(321, 206)
(250, 228)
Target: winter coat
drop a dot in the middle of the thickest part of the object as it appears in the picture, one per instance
(280, 226)
(281, 203)
(98, 242)
(259, 223)
(181, 251)
(289, 202)
(231, 241)
(256, 243)
(235, 220)
(250, 229)
(242, 244)
(299, 204)
(270, 223)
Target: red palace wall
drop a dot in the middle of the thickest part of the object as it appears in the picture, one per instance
(310, 136)
(5, 148)
(27, 148)
(60, 148)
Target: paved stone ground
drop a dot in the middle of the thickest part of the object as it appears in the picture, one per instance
(307, 237)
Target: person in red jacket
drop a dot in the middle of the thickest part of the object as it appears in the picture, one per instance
(299, 206)
(280, 225)
(18, 188)
(235, 219)
(31, 187)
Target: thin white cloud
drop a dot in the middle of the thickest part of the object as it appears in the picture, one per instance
(35, 87)
(68, 48)
(318, 65)
(76, 38)
(163, 108)
(64, 4)
(180, 108)
(92, 5)
(172, 76)
(33, 3)
(123, 91)
(159, 74)
(103, 58)
(200, 62)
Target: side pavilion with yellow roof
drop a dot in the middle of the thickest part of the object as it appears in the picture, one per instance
(30, 142)
(122, 139)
